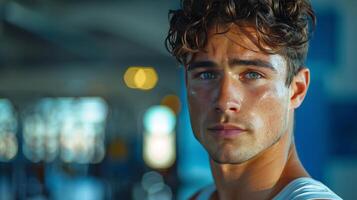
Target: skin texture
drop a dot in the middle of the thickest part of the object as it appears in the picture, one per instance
(241, 90)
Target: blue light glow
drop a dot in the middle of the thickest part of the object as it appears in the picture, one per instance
(159, 120)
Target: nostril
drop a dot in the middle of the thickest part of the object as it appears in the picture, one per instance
(217, 109)
(227, 107)
(234, 109)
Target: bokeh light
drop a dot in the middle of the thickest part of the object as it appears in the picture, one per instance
(159, 120)
(159, 150)
(159, 137)
(8, 147)
(142, 78)
(8, 129)
(172, 102)
(70, 127)
(129, 77)
(152, 187)
(118, 150)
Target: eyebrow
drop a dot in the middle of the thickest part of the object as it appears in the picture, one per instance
(232, 62)
(199, 64)
(254, 62)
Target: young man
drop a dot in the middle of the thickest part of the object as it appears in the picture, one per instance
(245, 77)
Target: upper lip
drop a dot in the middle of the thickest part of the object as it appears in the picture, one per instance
(225, 127)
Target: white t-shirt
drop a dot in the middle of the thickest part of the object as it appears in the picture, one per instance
(299, 189)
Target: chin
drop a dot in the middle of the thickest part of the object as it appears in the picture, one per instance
(230, 158)
(229, 161)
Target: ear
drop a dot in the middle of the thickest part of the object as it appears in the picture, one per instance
(298, 87)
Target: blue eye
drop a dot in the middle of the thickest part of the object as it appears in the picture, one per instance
(252, 75)
(207, 76)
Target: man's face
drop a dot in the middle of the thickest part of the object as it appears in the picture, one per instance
(238, 101)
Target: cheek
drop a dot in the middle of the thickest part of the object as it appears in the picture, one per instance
(198, 101)
(199, 98)
(270, 107)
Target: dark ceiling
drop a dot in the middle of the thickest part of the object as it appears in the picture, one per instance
(82, 47)
(37, 33)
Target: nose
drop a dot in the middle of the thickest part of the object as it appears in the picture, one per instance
(228, 96)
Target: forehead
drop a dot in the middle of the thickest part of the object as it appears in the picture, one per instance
(236, 42)
(243, 36)
(233, 39)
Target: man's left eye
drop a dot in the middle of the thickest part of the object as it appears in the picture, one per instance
(252, 75)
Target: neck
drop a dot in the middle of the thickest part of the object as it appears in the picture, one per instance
(263, 176)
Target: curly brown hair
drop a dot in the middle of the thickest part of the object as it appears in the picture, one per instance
(284, 26)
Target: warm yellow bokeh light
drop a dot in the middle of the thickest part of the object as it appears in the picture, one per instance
(143, 78)
(140, 78)
(173, 102)
(129, 76)
(151, 79)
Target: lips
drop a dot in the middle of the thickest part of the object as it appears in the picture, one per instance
(226, 130)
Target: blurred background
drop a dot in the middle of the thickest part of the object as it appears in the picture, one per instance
(93, 107)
